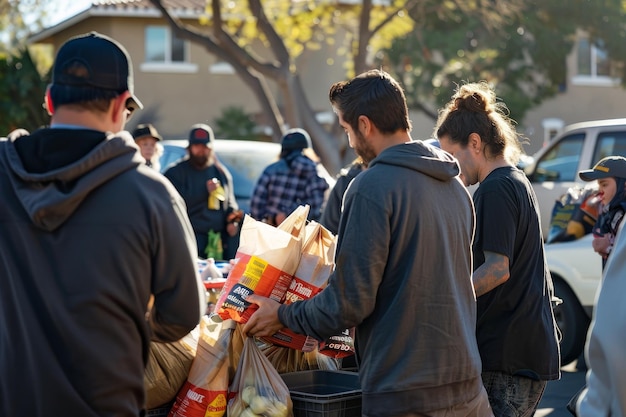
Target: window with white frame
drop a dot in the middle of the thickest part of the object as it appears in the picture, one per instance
(593, 65)
(165, 52)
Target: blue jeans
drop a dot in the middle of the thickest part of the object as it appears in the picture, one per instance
(512, 396)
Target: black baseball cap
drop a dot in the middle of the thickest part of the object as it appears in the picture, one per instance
(95, 60)
(611, 166)
(295, 139)
(201, 134)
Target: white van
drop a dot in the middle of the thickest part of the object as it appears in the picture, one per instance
(575, 268)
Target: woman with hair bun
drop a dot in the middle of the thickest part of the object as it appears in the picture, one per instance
(515, 329)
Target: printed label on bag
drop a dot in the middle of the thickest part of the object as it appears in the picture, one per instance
(193, 401)
(298, 290)
(339, 346)
(250, 275)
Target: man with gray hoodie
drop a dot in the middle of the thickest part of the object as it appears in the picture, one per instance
(97, 255)
(403, 266)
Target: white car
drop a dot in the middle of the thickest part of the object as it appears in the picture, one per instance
(576, 272)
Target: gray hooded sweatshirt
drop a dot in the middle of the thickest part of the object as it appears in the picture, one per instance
(88, 234)
(403, 279)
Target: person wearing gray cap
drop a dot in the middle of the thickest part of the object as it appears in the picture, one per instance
(610, 172)
(97, 255)
(147, 139)
(291, 181)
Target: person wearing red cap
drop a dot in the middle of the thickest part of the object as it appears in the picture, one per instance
(610, 172)
(97, 255)
(207, 188)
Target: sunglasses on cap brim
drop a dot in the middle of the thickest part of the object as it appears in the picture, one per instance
(131, 106)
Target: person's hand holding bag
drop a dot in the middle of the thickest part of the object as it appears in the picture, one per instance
(264, 321)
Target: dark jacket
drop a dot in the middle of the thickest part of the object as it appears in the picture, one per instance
(611, 217)
(191, 184)
(332, 210)
(403, 278)
(89, 233)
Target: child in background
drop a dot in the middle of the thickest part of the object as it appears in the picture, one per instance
(610, 172)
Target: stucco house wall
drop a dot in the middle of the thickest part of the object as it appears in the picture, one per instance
(175, 98)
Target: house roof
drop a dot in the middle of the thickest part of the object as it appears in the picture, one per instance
(183, 9)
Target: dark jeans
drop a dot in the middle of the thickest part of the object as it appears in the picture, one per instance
(513, 396)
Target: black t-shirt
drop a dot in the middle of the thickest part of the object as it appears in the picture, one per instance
(515, 327)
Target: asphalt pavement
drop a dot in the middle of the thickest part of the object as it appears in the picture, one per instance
(558, 393)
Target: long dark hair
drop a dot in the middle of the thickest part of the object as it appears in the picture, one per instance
(474, 109)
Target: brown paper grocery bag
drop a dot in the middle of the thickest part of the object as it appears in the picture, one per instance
(166, 371)
(316, 264)
(266, 260)
(204, 394)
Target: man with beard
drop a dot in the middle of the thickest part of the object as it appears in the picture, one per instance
(207, 188)
(403, 266)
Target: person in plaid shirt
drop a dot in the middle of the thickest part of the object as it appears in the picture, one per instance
(288, 183)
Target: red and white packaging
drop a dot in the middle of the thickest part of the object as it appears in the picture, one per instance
(266, 260)
(316, 264)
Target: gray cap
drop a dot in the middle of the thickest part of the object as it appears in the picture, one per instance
(611, 166)
(146, 130)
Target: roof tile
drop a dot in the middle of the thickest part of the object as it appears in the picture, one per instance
(186, 5)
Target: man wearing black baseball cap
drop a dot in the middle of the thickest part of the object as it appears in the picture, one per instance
(93, 67)
(207, 187)
(610, 172)
(291, 181)
(86, 229)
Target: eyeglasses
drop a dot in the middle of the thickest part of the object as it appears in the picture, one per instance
(130, 108)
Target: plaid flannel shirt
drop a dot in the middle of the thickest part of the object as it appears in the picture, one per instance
(286, 184)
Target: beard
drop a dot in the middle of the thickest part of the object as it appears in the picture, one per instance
(199, 161)
(363, 149)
